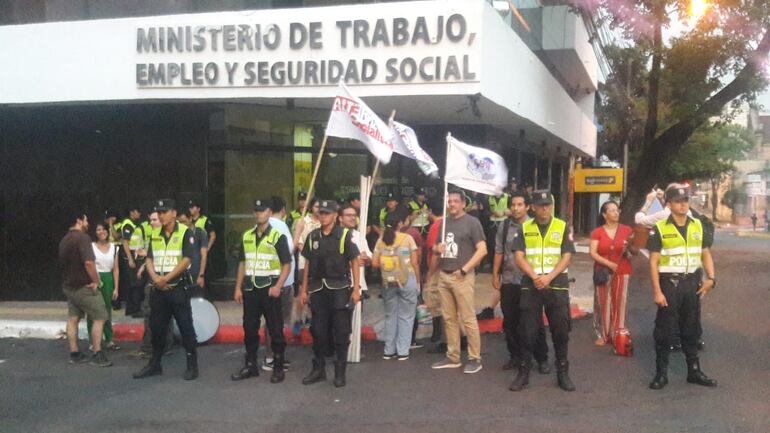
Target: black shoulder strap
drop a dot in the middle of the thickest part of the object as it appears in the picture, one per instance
(506, 226)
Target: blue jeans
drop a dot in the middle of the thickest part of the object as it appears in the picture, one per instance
(400, 308)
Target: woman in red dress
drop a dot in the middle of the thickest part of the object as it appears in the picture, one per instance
(610, 247)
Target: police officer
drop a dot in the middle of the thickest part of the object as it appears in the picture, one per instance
(391, 203)
(265, 263)
(296, 214)
(506, 280)
(421, 215)
(131, 241)
(677, 254)
(202, 221)
(543, 250)
(332, 260)
(498, 213)
(168, 257)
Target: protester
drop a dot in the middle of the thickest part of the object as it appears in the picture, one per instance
(80, 286)
(610, 247)
(306, 224)
(106, 255)
(461, 250)
(396, 254)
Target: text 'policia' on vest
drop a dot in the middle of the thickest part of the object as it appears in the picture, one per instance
(679, 255)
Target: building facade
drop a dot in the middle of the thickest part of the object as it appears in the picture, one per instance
(109, 104)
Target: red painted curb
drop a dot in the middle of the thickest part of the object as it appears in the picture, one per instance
(229, 334)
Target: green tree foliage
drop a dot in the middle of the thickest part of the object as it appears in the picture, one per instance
(712, 151)
(661, 91)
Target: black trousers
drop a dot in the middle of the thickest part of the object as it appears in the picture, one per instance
(131, 287)
(510, 299)
(257, 303)
(680, 319)
(557, 310)
(331, 319)
(163, 305)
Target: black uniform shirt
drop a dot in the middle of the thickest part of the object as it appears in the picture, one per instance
(323, 254)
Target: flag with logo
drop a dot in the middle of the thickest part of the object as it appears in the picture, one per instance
(475, 168)
(351, 118)
(405, 143)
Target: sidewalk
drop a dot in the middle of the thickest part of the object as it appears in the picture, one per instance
(47, 320)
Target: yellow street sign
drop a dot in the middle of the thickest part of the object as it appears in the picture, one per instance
(598, 180)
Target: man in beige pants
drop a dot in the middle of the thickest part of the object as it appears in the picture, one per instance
(461, 250)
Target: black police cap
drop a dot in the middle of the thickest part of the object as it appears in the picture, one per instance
(262, 204)
(328, 206)
(542, 197)
(164, 204)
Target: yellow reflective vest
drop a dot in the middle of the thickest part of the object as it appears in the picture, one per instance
(677, 254)
(543, 253)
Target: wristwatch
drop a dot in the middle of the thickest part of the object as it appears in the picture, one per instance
(714, 280)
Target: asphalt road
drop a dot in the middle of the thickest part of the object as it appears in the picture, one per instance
(40, 392)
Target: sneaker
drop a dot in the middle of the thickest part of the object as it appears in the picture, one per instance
(446, 363)
(91, 348)
(416, 345)
(388, 356)
(486, 314)
(403, 357)
(473, 366)
(111, 346)
(99, 360)
(78, 358)
(268, 364)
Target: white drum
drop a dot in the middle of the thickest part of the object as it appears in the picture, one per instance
(205, 319)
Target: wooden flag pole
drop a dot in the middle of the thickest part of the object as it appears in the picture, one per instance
(446, 188)
(315, 173)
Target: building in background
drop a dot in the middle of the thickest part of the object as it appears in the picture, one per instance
(104, 104)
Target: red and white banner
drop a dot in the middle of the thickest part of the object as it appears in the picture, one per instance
(405, 143)
(351, 118)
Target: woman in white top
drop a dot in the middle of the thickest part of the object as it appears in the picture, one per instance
(107, 267)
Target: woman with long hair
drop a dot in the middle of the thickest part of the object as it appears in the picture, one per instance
(610, 248)
(396, 255)
(105, 253)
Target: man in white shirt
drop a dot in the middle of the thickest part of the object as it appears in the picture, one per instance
(278, 206)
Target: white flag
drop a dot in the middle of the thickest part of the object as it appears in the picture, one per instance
(405, 143)
(475, 168)
(351, 118)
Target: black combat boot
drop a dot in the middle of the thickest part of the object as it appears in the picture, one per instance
(192, 366)
(522, 378)
(152, 368)
(278, 371)
(318, 373)
(543, 367)
(339, 373)
(696, 376)
(562, 375)
(661, 372)
(250, 369)
(438, 329)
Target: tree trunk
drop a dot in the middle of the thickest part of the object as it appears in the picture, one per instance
(651, 169)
